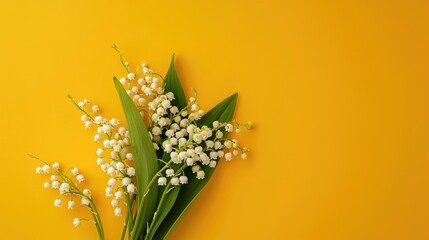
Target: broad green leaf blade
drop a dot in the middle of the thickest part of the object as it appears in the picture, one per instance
(223, 112)
(172, 84)
(145, 160)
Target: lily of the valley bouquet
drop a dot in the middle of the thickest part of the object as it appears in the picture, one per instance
(159, 163)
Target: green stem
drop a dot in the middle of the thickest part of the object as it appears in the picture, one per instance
(164, 194)
(129, 218)
(159, 75)
(129, 209)
(121, 58)
(140, 209)
(124, 229)
(91, 206)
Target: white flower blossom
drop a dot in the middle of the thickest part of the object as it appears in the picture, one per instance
(175, 181)
(122, 130)
(156, 131)
(88, 124)
(111, 182)
(100, 152)
(174, 110)
(84, 118)
(213, 155)
(131, 188)
(107, 128)
(97, 137)
(103, 167)
(131, 171)
(189, 161)
(229, 127)
(218, 145)
(126, 181)
(70, 204)
(80, 178)
(201, 174)
(57, 203)
(162, 181)
(46, 168)
(75, 171)
(212, 164)
(114, 122)
(86, 192)
(228, 156)
(118, 212)
(170, 96)
(64, 188)
(131, 76)
(183, 179)
(55, 184)
(109, 191)
(100, 161)
(169, 172)
(98, 119)
(85, 201)
(76, 222)
(118, 194)
(111, 171)
(196, 168)
(120, 166)
(123, 80)
(95, 109)
(56, 165)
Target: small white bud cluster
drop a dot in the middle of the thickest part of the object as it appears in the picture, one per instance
(142, 88)
(67, 185)
(114, 156)
(176, 133)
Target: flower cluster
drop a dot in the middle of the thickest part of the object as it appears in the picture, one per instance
(67, 184)
(114, 156)
(176, 133)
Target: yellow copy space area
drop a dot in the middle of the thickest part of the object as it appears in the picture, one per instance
(338, 91)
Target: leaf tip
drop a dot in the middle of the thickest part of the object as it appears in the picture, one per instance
(115, 80)
(234, 97)
(172, 60)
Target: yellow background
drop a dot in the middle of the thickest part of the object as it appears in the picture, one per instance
(338, 91)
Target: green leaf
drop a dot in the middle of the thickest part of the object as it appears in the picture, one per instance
(172, 84)
(223, 112)
(145, 160)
